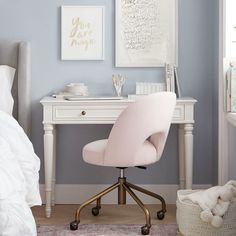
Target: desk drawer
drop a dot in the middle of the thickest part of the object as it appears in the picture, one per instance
(90, 113)
(72, 113)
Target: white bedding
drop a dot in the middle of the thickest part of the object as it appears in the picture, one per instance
(19, 187)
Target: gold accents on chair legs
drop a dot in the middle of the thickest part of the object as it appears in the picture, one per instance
(96, 197)
(142, 206)
(123, 187)
(121, 191)
(145, 191)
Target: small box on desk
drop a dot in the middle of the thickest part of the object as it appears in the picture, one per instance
(143, 88)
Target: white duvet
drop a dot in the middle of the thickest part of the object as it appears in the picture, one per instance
(19, 187)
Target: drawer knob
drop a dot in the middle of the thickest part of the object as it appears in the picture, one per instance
(83, 113)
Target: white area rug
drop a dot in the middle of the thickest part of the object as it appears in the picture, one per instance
(106, 230)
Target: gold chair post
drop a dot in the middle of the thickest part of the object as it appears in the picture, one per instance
(121, 191)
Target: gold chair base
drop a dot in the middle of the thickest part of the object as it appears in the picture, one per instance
(123, 187)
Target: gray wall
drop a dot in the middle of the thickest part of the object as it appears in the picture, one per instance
(39, 23)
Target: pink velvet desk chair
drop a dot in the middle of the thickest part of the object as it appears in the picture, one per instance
(137, 139)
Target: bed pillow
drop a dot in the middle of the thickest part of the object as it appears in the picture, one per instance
(6, 81)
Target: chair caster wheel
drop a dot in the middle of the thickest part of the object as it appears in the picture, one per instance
(145, 230)
(160, 215)
(95, 211)
(74, 225)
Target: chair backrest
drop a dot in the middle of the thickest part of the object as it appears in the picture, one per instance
(149, 117)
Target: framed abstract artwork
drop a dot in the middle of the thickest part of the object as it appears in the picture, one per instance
(82, 32)
(146, 33)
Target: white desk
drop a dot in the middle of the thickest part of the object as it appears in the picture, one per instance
(58, 111)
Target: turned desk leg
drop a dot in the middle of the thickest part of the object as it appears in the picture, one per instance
(48, 164)
(188, 144)
(54, 168)
(181, 157)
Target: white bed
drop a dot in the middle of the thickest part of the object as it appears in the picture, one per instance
(19, 165)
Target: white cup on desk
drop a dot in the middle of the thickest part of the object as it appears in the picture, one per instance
(77, 89)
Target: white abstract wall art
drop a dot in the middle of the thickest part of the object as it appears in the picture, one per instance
(146, 33)
(82, 32)
(230, 29)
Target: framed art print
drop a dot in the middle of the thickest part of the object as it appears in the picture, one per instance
(82, 32)
(146, 33)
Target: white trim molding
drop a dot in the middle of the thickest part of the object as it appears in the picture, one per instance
(78, 193)
(223, 157)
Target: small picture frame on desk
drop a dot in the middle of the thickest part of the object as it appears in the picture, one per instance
(82, 32)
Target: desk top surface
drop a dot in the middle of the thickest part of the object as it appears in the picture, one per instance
(98, 100)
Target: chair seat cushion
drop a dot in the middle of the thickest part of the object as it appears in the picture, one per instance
(94, 153)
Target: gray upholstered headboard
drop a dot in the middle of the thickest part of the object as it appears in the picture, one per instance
(18, 55)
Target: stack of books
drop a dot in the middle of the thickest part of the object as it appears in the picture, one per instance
(172, 81)
(231, 89)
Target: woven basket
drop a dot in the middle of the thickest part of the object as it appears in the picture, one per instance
(190, 223)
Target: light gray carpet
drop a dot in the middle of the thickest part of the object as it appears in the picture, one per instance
(106, 230)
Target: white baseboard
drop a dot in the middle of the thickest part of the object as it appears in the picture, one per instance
(78, 193)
